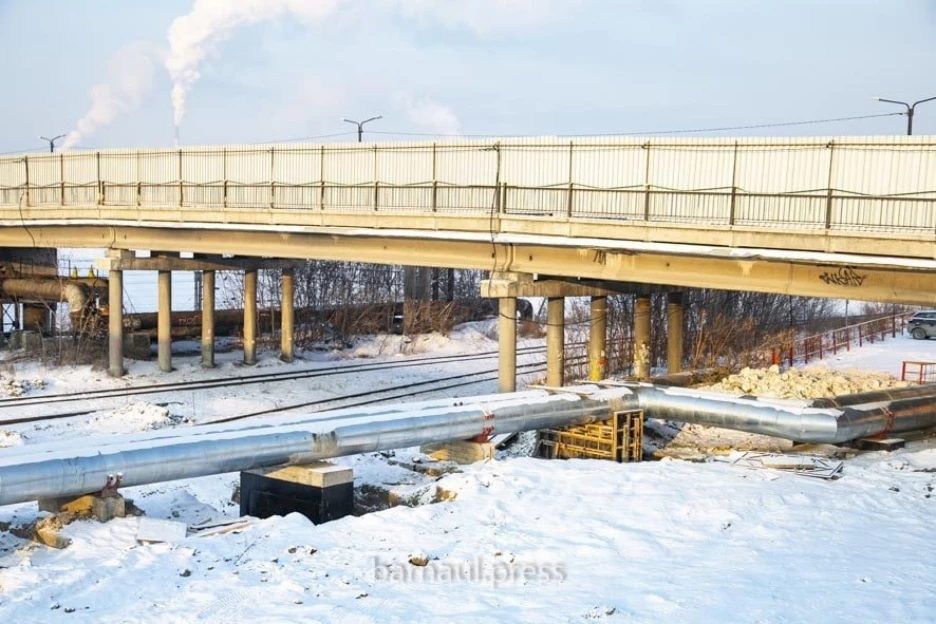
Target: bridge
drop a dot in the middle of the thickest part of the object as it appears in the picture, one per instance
(841, 217)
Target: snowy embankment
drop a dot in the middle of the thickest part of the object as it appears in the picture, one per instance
(518, 540)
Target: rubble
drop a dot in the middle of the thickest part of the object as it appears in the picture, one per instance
(804, 383)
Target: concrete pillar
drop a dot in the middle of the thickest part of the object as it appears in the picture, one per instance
(207, 319)
(250, 316)
(597, 339)
(555, 340)
(115, 323)
(642, 337)
(674, 332)
(287, 321)
(507, 344)
(164, 320)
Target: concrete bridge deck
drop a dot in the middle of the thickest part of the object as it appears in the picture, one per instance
(848, 217)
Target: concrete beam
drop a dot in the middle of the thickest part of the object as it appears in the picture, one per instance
(130, 262)
(523, 285)
(888, 280)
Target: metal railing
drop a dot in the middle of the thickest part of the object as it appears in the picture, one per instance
(842, 184)
(818, 346)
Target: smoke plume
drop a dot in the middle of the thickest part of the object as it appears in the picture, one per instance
(195, 35)
(129, 78)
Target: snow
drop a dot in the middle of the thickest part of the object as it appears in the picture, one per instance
(515, 539)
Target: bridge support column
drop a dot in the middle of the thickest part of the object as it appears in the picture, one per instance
(674, 332)
(597, 339)
(164, 320)
(287, 322)
(207, 319)
(642, 337)
(250, 317)
(115, 323)
(555, 341)
(507, 344)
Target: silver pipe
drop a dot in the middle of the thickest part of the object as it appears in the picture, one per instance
(74, 472)
(800, 423)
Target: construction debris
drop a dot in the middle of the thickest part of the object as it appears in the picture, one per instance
(804, 383)
(805, 465)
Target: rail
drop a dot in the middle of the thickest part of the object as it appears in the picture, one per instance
(845, 184)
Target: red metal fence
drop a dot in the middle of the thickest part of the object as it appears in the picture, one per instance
(918, 372)
(818, 346)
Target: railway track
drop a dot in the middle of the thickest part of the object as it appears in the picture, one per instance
(241, 380)
(367, 397)
(408, 390)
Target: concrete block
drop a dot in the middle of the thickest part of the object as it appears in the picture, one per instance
(88, 506)
(462, 452)
(885, 444)
(277, 492)
(317, 474)
(137, 346)
(31, 342)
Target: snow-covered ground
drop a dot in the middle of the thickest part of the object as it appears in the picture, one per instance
(518, 539)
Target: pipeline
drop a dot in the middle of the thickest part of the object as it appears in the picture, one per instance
(800, 421)
(51, 289)
(48, 473)
(54, 470)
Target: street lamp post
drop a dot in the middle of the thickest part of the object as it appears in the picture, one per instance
(911, 109)
(52, 141)
(360, 125)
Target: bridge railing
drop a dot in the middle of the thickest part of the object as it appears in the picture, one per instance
(875, 184)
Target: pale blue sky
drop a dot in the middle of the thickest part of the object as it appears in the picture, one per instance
(561, 67)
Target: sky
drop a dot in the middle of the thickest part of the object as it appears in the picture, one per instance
(474, 67)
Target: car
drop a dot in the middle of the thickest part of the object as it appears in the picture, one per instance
(922, 324)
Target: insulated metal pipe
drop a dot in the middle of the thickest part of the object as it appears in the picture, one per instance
(873, 396)
(74, 472)
(787, 419)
